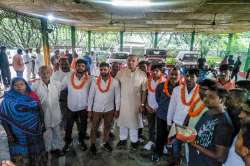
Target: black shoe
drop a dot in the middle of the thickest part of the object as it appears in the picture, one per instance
(121, 144)
(134, 146)
(83, 146)
(93, 149)
(155, 157)
(66, 148)
(107, 147)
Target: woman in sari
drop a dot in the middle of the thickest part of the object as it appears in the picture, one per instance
(21, 117)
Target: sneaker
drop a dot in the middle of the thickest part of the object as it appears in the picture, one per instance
(66, 148)
(149, 145)
(134, 146)
(93, 149)
(155, 157)
(121, 144)
(107, 147)
(83, 146)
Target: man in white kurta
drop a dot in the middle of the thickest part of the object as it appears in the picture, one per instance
(59, 75)
(133, 95)
(48, 91)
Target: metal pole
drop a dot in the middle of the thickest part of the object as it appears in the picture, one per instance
(192, 41)
(229, 44)
(73, 37)
(121, 40)
(156, 40)
(45, 40)
(89, 41)
(247, 60)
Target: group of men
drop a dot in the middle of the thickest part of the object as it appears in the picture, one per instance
(127, 96)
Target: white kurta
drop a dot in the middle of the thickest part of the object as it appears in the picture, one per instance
(49, 97)
(132, 85)
(59, 75)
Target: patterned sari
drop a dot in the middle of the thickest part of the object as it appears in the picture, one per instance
(21, 117)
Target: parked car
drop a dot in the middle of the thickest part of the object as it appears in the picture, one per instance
(155, 55)
(187, 58)
(119, 57)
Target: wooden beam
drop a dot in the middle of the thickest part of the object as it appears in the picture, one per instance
(45, 40)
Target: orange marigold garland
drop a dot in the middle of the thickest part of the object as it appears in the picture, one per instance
(149, 84)
(82, 83)
(195, 112)
(183, 94)
(165, 88)
(98, 82)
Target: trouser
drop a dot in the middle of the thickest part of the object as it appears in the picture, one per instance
(177, 149)
(53, 138)
(33, 68)
(28, 71)
(248, 73)
(19, 74)
(6, 76)
(133, 134)
(151, 126)
(97, 117)
(234, 74)
(161, 136)
(64, 110)
(82, 117)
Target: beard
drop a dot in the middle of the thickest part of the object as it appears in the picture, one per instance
(104, 74)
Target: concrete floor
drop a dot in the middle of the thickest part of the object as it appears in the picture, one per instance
(76, 157)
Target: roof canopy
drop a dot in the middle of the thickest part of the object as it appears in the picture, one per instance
(154, 15)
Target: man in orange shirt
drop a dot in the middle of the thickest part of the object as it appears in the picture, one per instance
(18, 64)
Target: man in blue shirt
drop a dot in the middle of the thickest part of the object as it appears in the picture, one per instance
(163, 95)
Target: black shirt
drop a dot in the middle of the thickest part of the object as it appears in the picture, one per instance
(211, 130)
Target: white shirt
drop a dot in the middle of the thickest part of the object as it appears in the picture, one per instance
(49, 97)
(177, 111)
(77, 98)
(233, 159)
(104, 102)
(151, 95)
(59, 75)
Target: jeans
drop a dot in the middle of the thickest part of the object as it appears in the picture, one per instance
(177, 149)
(19, 74)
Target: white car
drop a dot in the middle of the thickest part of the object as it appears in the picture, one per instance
(187, 58)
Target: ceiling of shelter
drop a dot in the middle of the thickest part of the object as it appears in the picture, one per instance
(159, 15)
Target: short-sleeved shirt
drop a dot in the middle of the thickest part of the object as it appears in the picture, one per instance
(211, 130)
